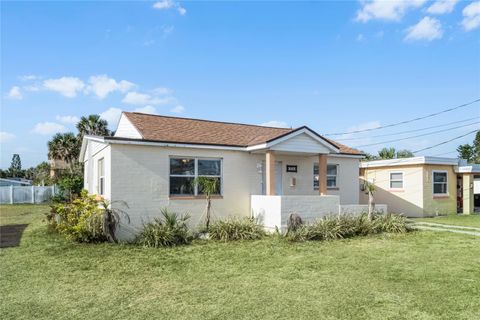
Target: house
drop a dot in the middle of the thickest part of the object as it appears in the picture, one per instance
(151, 162)
(424, 186)
(5, 182)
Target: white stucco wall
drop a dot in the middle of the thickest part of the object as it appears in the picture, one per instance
(139, 176)
(95, 151)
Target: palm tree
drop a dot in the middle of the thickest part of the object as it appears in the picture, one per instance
(208, 186)
(92, 125)
(370, 188)
(64, 146)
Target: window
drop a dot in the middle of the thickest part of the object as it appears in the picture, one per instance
(183, 172)
(101, 177)
(440, 183)
(396, 180)
(332, 172)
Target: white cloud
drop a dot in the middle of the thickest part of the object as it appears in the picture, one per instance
(426, 29)
(389, 10)
(164, 4)
(112, 115)
(15, 93)
(167, 30)
(48, 128)
(102, 85)
(178, 109)
(6, 136)
(146, 109)
(28, 77)
(66, 86)
(137, 98)
(275, 123)
(360, 37)
(169, 4)
(67, 119)
(442, 6)
(182, 10)
(32, 88)
(162, 91)
(471, 16)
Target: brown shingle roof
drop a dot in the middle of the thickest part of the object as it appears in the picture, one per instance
(195, 131)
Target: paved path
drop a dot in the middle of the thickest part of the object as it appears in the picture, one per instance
(446, 228)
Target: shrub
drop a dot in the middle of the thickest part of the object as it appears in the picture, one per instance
(169, 231)
(236, 229)
(345, 226)
(85, 219)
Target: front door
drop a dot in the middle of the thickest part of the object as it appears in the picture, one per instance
(278, 178)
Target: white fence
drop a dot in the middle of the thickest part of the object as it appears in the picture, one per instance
(26, 194)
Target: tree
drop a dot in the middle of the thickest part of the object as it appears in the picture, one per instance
(208, 186)
(404, 154)
(387, 153)
(16, 166)
(476, 145)
(466, 151)
(369, 156)
(370, 189)
(64, 146)
(92, 125)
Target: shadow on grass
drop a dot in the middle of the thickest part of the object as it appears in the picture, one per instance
(10, 235)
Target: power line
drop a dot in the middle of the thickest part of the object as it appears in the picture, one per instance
(417, 136)
(445, 142)
(408, 131)
(406, 121)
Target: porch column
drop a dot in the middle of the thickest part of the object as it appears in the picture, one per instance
(322, 174)
(270, 173)
(468, 194)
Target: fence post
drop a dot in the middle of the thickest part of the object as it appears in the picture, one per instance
(11, 194)
(33, 194)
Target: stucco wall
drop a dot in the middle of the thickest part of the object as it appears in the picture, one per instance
(408, 201)
(434, 205)
(416, 199)
(93, 153)
(141, 179)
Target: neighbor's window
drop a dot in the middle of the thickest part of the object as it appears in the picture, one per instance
(396, 180)
(440, 182)
(183, 172)
(101, 177)
(332, 172)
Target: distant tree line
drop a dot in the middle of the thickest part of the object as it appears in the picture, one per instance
(470, 152)
(389, 153)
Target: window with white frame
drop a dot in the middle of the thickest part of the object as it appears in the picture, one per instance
(332, 173)
(440, 182)
(101, 176)
(183, 172)
(396, 180)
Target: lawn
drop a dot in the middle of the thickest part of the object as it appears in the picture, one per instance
(472, 220)
(421, 275)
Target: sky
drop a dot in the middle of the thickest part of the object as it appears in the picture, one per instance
(335, 66)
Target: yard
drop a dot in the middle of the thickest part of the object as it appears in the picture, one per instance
(421, 275)
(454, 219)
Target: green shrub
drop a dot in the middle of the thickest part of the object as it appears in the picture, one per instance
(236, 229)
(80, 220)
(169, 231)
(345, 226)
(88, 218)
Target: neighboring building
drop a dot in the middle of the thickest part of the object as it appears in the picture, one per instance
(152, 161)
(5, 182)
(423, 186)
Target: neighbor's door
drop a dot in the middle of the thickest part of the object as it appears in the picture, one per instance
(278, 178)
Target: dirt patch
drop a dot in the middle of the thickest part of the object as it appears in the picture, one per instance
(10, 235)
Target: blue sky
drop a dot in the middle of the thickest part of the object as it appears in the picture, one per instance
(334, 66)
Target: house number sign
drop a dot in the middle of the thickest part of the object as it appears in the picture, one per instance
(291, 168)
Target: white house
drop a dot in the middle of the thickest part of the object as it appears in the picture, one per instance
(152, 160)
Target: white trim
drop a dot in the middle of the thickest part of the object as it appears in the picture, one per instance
(390, 181)
(433, 183)
(409, 161)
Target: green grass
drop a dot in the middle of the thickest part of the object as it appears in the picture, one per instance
(421, 275)
(472, 220)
